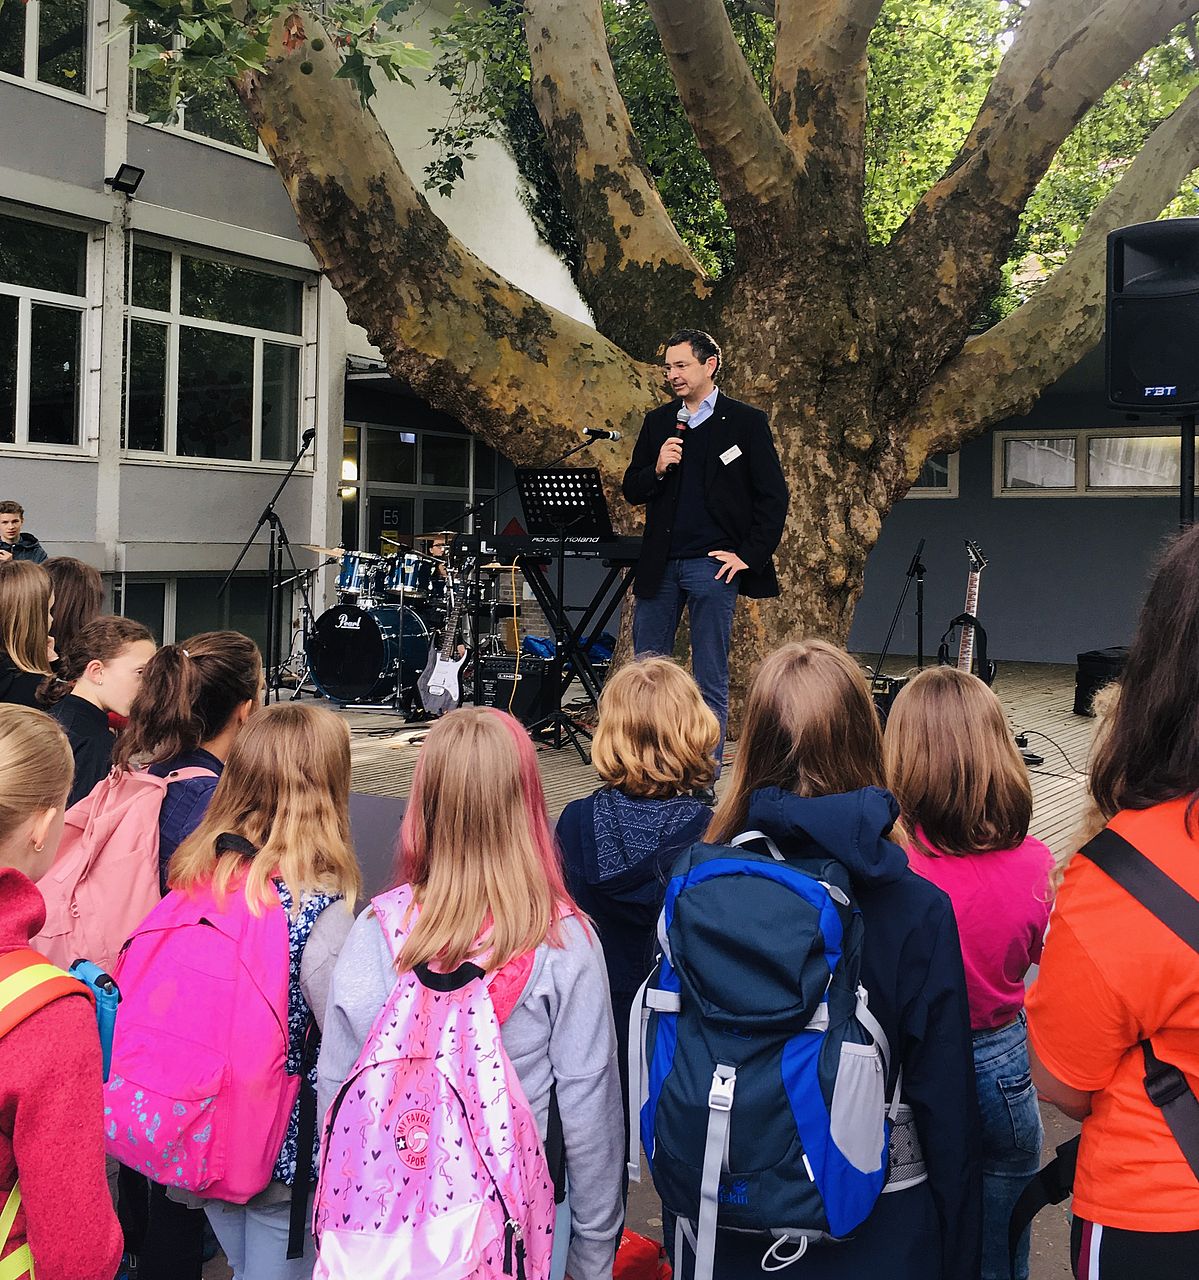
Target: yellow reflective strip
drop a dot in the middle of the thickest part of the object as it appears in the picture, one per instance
(24, 980)
(8, 1215)
(17, 1264)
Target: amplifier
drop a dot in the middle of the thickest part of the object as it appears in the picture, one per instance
(883, 689)
(533, 699)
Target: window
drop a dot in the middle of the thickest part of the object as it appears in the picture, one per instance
(43, 287)
(46, 41)
(1111, 461)
(401, 483)
(938, 477)
(214, 358)
(210, 111)
(175, 608)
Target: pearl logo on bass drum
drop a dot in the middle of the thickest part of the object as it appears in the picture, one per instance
(346, 623)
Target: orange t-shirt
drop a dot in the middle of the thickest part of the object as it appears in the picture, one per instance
(1111, 975)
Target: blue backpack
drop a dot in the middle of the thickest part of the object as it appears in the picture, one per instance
(758, 1069)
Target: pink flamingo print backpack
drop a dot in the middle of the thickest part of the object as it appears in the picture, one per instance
(432, 1167)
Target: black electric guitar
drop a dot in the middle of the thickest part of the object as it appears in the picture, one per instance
(967, 644)
(440, 684)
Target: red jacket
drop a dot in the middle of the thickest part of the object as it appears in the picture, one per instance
(51, 1118)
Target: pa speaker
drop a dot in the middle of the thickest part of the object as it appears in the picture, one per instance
(1153, 316)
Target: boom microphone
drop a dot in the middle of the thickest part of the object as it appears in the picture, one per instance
(599, 433)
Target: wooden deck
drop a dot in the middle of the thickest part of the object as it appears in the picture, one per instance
(1037, 697)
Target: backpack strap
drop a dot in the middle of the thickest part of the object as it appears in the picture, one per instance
(28, 982)
(1165, 1084)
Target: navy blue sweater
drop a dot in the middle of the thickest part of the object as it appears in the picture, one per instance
(185, 804)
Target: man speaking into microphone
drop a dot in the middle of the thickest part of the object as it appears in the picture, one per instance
(706, 468)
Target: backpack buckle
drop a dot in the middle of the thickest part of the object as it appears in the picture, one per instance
(720, 1096)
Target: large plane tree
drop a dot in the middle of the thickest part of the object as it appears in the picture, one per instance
(863, 351)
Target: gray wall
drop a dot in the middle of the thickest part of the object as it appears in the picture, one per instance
(50, 137)
(210, 182)
(59, 497)
(1065, 574)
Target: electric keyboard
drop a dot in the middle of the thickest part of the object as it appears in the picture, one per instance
(618, 549)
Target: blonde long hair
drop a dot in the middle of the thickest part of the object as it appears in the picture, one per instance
(656, 736)
(36, 764)
(953, 766)
(25, 591)
(809, 728)
(286, 790)
(475, 846)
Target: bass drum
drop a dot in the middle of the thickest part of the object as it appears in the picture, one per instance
(357, 655)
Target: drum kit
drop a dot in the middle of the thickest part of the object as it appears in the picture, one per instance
(400, 617)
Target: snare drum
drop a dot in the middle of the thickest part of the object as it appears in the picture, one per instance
(414, 575)
(361, 576)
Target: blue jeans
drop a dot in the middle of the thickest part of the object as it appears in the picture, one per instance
(255, 1241)
(1011, 1132)
(710, 604)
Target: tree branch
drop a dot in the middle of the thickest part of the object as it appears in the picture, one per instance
(818, 87)
(1003, 371)
(1043, 27)
(946, 255)
(518, 373)
(755, 170)
(638, 276)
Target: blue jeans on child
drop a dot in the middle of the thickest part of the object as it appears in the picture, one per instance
(255, 1241)
(1011, 1129)
(710, 605)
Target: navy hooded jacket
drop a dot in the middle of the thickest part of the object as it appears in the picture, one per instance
(912, 970)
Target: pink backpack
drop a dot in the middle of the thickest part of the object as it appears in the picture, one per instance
(104, 881)
(199, 1096)
(431, 1165)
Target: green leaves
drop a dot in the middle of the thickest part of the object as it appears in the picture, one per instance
(197, 42)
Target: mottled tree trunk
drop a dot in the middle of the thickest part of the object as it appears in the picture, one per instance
(859, 354)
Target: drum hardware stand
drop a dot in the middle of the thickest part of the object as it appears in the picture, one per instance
(279, 546)
(304, 679)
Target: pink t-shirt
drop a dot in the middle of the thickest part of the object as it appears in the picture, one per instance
(1001, 903)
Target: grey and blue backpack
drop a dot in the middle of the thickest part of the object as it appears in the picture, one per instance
(756, 1066)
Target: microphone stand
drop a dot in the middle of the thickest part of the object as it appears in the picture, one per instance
(915, 572)
(274, 572)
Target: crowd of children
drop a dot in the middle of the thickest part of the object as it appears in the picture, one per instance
(448, 1083)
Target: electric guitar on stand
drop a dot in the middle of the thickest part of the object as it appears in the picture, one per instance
(440, 684)
(972, 647)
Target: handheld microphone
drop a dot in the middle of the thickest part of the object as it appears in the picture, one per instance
(599, 433)
(681, 419)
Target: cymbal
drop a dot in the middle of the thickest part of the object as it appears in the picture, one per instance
(447, 534)
(336, 552)
(495, 564)
(395, 542)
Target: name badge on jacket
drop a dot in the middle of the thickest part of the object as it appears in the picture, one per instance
(731, 455)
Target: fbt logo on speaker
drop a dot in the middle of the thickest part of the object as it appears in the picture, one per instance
(1161, 392)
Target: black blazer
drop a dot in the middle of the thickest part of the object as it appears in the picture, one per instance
(747, 496)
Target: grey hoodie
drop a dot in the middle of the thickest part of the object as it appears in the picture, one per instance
(560, 1033)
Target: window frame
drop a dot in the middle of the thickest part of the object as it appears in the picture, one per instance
(89, 306)
(94, 92)
(173, 320)
(925, 493)
(1082, 436)
(368, 488)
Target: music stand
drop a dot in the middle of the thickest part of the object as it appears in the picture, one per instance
(556, 503)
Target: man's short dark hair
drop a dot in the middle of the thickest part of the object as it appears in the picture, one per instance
(11, 508)
(703, 345)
